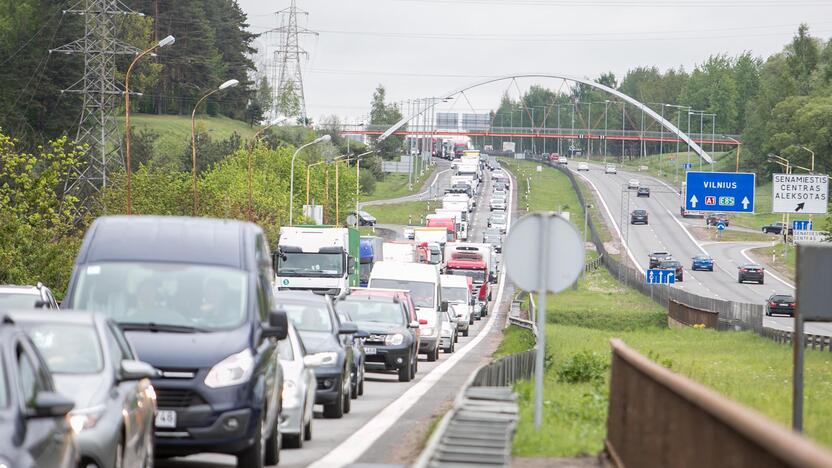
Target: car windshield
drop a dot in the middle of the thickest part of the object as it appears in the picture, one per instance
(673, 264)
(477, 275)
(423, 294)
(455, 294)
(68, 348)
(702, 258)
(310, 264)
(373, 312)
(498, 219)
(639, 212)
(782, 299)
(164, 294)
(11, 301)
(307, 316)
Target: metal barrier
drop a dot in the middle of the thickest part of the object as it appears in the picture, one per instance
(689, 316)
(658, 419)
(818, 342)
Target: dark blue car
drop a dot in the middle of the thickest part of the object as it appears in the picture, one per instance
(702, 262)
(194, 298)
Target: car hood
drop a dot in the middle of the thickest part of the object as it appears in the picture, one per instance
(385, 328)
(86, 390)
(318, 342)
(201, 350)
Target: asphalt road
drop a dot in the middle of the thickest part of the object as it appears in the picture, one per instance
(388, 424)
(668, 231)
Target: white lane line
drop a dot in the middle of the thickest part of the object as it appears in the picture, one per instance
(744, 254)
(612, 220)
(354, 446)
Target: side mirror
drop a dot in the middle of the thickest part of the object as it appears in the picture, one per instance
(51, 405)
(42, 304)
(443, 307)
(423, 322)
(362, 334)
(278, 326)
(416, 323)
(348, 328)
(312, 361)
(350, 263)
(136, 370)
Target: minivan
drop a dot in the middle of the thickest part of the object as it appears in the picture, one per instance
(194, 299)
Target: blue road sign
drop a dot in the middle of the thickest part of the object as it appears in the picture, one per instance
(720, 191)
(720, 226)
(687, 166)
(802, 225)
(656, 276)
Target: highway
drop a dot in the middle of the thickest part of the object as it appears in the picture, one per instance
(668, 231)
(388, 424)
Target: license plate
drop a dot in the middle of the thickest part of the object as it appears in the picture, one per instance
(784, 305)
(370, 351)
(166, 419)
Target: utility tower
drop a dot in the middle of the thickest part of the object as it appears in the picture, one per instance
(99, 90)
(287, 79)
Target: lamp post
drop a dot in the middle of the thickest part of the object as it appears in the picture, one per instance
(127, 130)
(813, 157)
(250, 151)
(227, 84)
(320, 139)
(358, 178)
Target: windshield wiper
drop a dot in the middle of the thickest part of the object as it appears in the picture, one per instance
(158, 327)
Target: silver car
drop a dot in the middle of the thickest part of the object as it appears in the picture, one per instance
(92, 363)
(450, 335)
(26, 297)
(298, 390)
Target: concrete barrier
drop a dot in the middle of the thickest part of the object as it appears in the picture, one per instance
(660, 419)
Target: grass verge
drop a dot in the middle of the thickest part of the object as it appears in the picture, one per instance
(396, 185)
(772, 256)
(711, 234)
(400, 213)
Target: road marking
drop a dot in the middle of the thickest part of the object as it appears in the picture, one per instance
(354, 446)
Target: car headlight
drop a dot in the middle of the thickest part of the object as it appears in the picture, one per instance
(290, 394)
(83, 419)
(4, 463)
(427, 330)
(394, 340)
(328, 358)
(233, 370)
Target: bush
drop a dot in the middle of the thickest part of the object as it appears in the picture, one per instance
(583, 367)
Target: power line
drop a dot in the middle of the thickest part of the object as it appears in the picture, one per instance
(287, 78)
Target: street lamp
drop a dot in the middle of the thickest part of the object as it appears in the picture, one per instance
(227, 84)
(813, 157)
(127, 130)
(320, 139)
(250, 151)
(358, 178)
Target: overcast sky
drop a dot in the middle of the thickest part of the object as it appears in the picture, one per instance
(420, 48)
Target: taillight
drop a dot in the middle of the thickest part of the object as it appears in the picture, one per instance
(772, 304)
(744, 270)
(791, 306)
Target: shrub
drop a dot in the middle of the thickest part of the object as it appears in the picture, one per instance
(582, 367)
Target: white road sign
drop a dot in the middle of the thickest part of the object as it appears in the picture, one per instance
(800, 193)
(809, 237)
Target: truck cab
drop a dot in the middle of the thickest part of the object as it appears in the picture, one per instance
(322, 259)
(449, 224)
(472, 265)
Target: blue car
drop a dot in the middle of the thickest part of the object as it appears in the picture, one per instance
(702, 262)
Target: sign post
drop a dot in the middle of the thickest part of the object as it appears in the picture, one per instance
(658, 276)
(800, 193)
(553, 244)
(720, 191)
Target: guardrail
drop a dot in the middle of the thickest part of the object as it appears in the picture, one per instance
(818, 342)
(658, 418)
(594, 264)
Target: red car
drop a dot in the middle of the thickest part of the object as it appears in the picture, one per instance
(401, 294)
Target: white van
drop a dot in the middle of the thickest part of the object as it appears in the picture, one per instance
(422, 280)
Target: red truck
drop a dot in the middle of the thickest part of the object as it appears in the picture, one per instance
(472, 265)
(459, 149)
(447, 223)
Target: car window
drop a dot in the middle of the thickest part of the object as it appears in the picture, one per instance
(455, 294)
(308, 316)
(68, 348)
(422, 293)
(11, 301)
(29, 383)
(200, 296)
(373, 312)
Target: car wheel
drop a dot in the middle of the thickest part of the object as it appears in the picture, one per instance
(307, 430)
(465, 332)
(253, 456)
(361, 382)
(295, 441)
(406, 372)
(273, 444)
(335, 410)
(456, 338)
(768, 313)
(415, 367)
(348, 399)
(432, 355)
(471, 320)
(762, 281)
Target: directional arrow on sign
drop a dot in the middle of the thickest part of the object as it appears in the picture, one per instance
(650, 277)
(693, 201)
(671, 277)
(745, 203)
(799, 207)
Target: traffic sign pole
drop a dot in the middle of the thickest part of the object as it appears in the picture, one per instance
(541, 325)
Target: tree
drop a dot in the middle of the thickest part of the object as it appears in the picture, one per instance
(382, 113)
(802, 56)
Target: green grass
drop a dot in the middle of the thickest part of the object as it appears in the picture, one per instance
(400, 213)
(785, 265)
(175, 131)
(515, 340)
(743, 366)
(711, 234)
(396, 185)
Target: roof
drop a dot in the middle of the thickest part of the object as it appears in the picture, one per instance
(405, 271)
(453, 281)
(169, 239)
(299, 296)
(15, 289)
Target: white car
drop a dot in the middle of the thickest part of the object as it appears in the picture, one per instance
(497, 205)
(583, 166)
(463, 317)
(449, 332)
(299, 386)
(610, 169)
(633, 184)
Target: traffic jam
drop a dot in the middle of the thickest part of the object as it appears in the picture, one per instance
(180, 336)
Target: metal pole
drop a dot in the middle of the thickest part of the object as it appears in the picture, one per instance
(410, 152)
(560, 148)
(589, 123)
(676, 156)
(606, 109)
(571, 141)
(701, 129)
(623, 107)
(797, 377)
(688, 135)
(541, 323)
(641, 135)
(661, 137)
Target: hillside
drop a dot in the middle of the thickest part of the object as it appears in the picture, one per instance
(175, 131)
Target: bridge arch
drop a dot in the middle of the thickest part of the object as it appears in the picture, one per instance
(658, 118)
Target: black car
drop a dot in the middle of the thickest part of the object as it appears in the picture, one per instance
(674, 265)
(34, 427)
(776, 228)
(391, 344)
(323, 333)
(780, 304)
(751, 272)
(365, 219)
(658, 257)
(193, 297)
(643, 192)
(714, 218)
(638, 217)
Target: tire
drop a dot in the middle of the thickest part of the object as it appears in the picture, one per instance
(273, 445)
(348, 400)
(252, 457)
(295, 441)
(456, 338)
(433, 355)
(354, 386)
(415, 368)
(307, 430)
(335, 410)
(470, 321)
(406, 371)
(762, 281)
(361, 384)
(768, 313)
(465, 332)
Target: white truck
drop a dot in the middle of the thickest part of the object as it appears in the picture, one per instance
(466, 179)
(400, 251)
(452, 201)
(317, 258)
(431, 234)
(468, 168)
